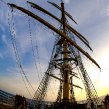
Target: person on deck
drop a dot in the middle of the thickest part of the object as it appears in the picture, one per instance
(106, 101)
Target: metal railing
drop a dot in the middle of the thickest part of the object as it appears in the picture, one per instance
(6, 98)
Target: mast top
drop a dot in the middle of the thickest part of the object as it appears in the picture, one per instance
(61, 1)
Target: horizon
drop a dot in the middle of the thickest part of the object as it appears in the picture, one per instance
(101, 98)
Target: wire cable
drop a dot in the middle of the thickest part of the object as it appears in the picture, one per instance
(18, 61)
(14, 48)
(31, 40)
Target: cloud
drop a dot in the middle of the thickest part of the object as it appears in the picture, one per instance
(13, 83)
(67, 1)
(107, 11)
(2, 27)
(11, 80)
(4, 39)
(1, 56)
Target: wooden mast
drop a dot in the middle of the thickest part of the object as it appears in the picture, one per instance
(66, 86)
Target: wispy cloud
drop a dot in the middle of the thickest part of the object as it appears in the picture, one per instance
(1, 56)
(107, 10)
(13, 80)
(66, 1)
(4, 39)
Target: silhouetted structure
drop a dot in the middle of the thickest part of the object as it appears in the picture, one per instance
(106, 101)
(65, 57)
(20, 102)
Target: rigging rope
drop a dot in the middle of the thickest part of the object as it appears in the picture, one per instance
(31, 40)
(33, 50)
(15, 51)
(18, 61)
(37, 50)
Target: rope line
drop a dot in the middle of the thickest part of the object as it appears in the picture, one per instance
(14, 48)
(18, 61)
(33, 51)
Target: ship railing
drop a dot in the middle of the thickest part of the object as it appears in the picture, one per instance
(6, 98)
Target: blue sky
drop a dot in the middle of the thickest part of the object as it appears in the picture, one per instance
(92, 17)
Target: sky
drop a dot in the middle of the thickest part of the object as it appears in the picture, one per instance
(92, 17)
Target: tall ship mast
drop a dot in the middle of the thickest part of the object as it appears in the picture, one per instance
(65, 57)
